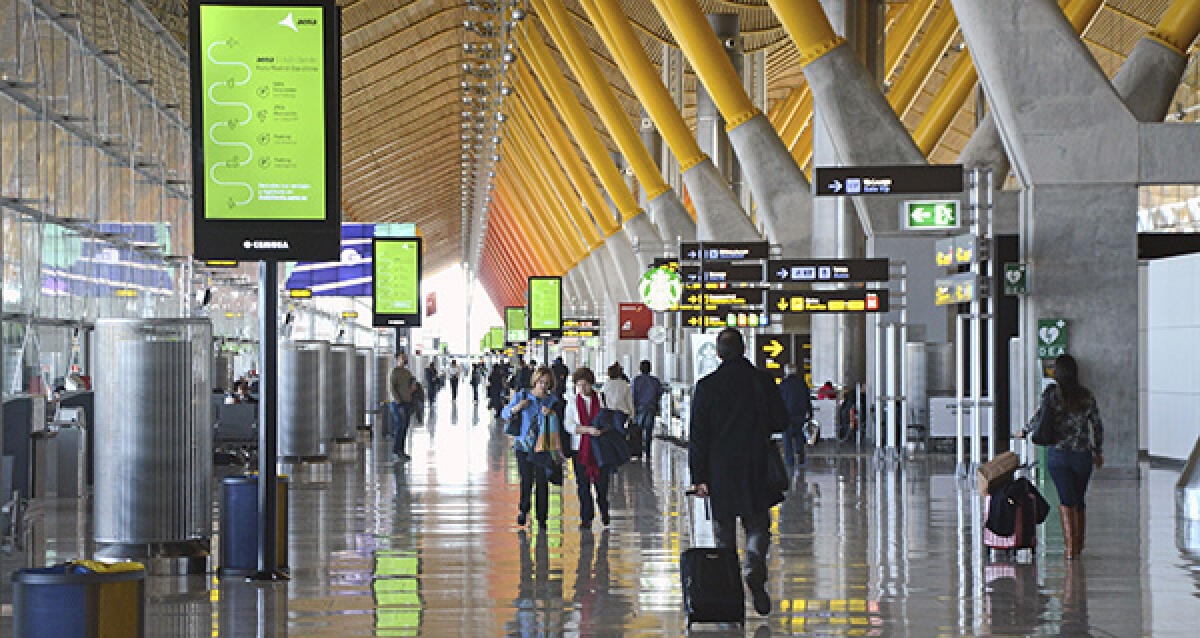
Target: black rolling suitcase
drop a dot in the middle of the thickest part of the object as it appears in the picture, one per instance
(712, 582)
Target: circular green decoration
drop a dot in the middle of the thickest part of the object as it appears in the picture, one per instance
(660, 288)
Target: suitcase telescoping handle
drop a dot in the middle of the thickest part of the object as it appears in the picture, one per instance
(699, 515)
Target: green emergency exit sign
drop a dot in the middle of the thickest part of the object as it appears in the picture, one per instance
(929, 214)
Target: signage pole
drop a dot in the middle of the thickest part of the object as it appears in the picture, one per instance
(959, 467)
(268, 327)
(877, 394)
(976, 333)
(991, 309)
(902, 400)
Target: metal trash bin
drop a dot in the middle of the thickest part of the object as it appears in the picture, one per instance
(239, 525)
(80, 600)
(153, 435)
(357, 382)
(303, 431)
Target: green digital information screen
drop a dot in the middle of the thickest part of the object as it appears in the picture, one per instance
(397, 286)
(545, 306)
(514, 325)
(262, 72)
(496, 338)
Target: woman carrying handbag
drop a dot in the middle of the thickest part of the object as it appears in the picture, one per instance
(1068, 423)
(526, 406)
(582, 409)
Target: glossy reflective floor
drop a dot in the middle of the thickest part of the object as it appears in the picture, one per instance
(430, 548)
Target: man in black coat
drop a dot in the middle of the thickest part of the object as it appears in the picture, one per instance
(734, 411)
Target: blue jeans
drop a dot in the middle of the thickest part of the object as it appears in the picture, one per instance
(794, 444)
(645, 420)
(400, 413)
(1070, 470)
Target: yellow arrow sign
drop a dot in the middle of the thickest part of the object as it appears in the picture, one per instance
(693, 321)
(773, 349)
(783, 304)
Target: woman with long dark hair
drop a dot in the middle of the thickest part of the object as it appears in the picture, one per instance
(1079, 448)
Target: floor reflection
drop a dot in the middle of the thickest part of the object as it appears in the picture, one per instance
(860, 548)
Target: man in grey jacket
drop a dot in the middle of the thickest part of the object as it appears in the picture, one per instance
(400, 382)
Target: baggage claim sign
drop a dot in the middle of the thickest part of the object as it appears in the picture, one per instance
(266, 129)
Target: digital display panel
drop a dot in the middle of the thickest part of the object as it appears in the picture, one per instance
(266, 129)
(515, 330)
(496, 338)
(397, 274)
(545, 306)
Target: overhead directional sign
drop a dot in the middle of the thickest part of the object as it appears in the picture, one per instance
(956, 289)
(717, 319)
(670, 263)
(822, 301)
(727, 297)
(581, 327)
(827, 270)
(888, 180)
(929, 215)
(723, 251)
(723, 272)
(775, 351)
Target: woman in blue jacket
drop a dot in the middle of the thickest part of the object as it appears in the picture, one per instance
(526, 404)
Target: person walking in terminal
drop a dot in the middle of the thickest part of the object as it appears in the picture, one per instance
(453, 373)
(799, 406)
(477, 372)
(647, 391)
(582, 408)
(400, 384)
(619, 396)
(560, 376)
(827, 391)
(1080, 446)
(526, 404)
(431, 380)
(734, 412)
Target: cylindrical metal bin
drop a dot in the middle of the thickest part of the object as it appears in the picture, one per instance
(303, 430)
(356, 386)
(338, 388)
(153, 438)
(383, 367)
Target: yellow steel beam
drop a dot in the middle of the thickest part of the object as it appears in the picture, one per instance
(1179, 25)
(541, 208)
(635, 65)
(921, 64)
(784, 111)
(531, 102)
(519, 216)
(558, 194)
(902, 33)
(693, 33)
(598, 90)
(537, 153)
(805, 21)
(515, 241)
(800, 121)
(589, 140)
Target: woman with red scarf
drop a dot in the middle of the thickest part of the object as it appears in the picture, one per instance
(582, 408)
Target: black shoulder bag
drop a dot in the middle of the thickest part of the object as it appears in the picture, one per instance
(1045, 425)
(513, 427)
(777, 474)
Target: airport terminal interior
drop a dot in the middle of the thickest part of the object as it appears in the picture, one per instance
(599, 318)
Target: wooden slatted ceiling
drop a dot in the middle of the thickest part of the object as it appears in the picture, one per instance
(402, 101)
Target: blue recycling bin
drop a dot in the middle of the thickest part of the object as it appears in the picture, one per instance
(239, 525)
(84, 599)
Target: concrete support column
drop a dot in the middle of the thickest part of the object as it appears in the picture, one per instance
(1076, 150)
(710, 126)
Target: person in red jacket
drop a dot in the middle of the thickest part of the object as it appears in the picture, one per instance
(827, 391)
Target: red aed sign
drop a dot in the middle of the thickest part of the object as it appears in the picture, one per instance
(636, 320)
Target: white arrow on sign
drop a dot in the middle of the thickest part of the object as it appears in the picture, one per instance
(835, 186)
(783, 273)
(921, 214)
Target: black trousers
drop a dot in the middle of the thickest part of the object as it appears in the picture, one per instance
(533, 477)
(758, 538)
(587, 511)
(453, 388)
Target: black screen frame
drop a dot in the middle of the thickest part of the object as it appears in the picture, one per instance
(395, 320)
(542, 334)
(268, 239)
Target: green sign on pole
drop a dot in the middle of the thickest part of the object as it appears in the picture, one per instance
(496, 338)
(929, 214)
(1051, 338)
(514, 325)
(1016, 281)
(397, 282)
(545, 306)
